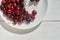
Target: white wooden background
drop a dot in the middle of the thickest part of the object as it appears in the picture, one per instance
(48, 30)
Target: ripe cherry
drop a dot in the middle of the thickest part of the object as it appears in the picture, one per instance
(17, 12)
(21, 5)
(20, 21)
(3, 2)
(34, 12)
(33, 17)
(13, 1)
(9, 11)
(21, 0)
(10, 6)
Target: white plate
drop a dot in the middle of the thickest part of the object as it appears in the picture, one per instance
(41, 11)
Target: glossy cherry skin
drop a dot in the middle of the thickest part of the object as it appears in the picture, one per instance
(34, 12)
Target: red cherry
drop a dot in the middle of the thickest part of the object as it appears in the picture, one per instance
(13, 1)
(9, 11)
(26, 13)
(33, 17)
(18, 8)
(21, 0)
(17, 12)
(34, 12)
(4, 10)
(11, 17)
(21, 5)
(24, 18)
(15, 5)
(14, 21)
(10, 6)
(17, 17)
(17, 1)
(20, 21)
(8, 15)
(28, 19)
(3, 2)
(9, 1)
(23, 10)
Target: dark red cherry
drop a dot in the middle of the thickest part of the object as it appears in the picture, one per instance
(34, 12)
(8, 15)
(3, 2)
(21, 0)
(21, 5)
(28, 19)
(13, 1)
(33, 17)
(4, 10)
(10, 6)
(24, 17)
(14, 21)
(15, 5)
(20, 21)
(17, 1)
(11, 17)
(18, 8)
(17, 12)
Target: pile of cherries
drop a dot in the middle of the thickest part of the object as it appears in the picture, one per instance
(15, 11)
